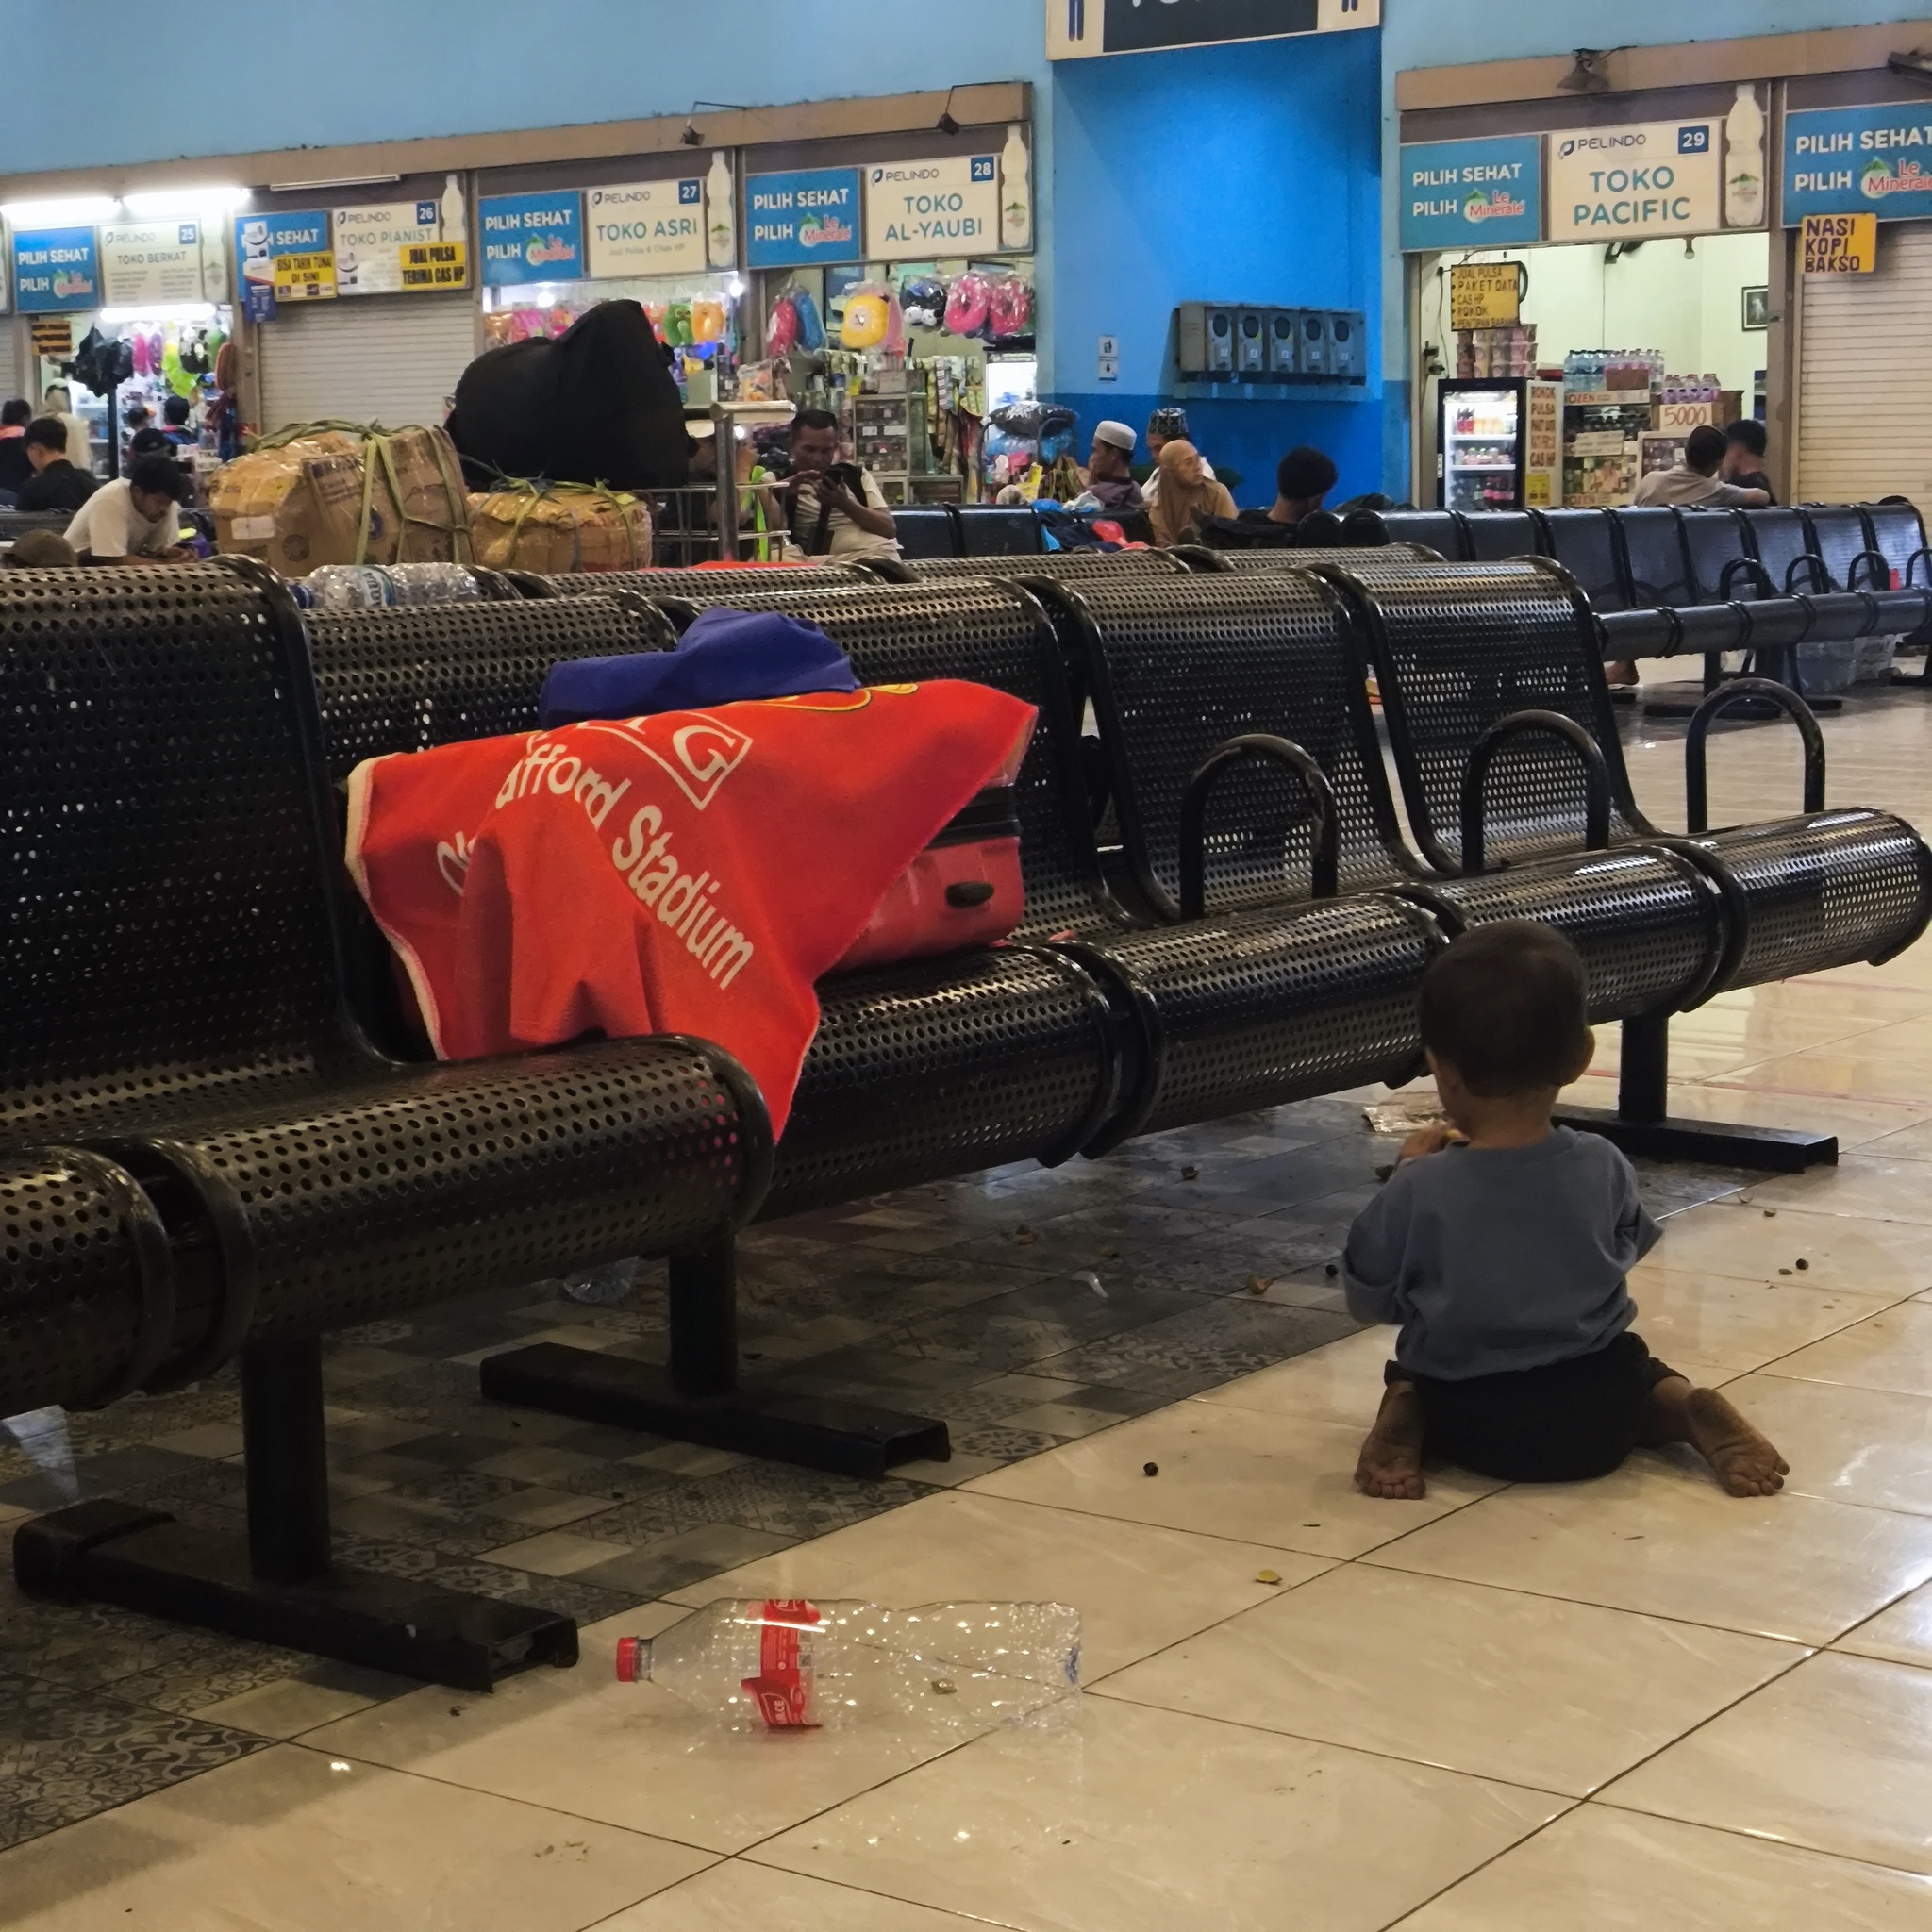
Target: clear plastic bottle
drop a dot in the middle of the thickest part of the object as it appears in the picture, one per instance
(785, 1664)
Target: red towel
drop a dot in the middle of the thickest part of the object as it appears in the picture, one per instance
(690, 873)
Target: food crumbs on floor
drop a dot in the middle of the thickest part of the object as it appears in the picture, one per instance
(1257, 1286)
(1188, 1174)
(1267, 1577)
(1150, 1468)
(1802, 1262)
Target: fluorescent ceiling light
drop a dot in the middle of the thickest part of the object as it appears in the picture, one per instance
(162, 311)
(186, 201)
(335, 181)
(74, 212)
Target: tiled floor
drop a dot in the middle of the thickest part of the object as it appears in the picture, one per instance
(1632, 1703)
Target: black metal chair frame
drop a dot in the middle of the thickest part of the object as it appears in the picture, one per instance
(1640, 1124)
(271, 1183)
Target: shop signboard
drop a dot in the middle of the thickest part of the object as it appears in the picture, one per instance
(948, 206)
(794, 219)
(646, 228)
(1077, 28)
(1482, 194)
(532, 237)
(1485, 295)
(53, 337)
(56, 269)
(436, 265)
(1623, 184)
(284, 257)
(371, 240)
(151, 264)
(1840, 244)
(1853, 161)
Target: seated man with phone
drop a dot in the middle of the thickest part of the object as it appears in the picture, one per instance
(833, 509)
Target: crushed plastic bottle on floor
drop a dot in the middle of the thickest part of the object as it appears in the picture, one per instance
(43, 1434)
(601, 1286)
(772, 1664)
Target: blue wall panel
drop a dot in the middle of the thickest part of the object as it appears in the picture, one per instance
(278, 75)
(1222, 173)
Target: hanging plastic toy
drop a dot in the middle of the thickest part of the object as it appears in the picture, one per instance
(924, 301)
(178, 378)
(1009, 309)
(866, 319)
(781, 332)
(811, 331)
(709, 314)
(966, 306)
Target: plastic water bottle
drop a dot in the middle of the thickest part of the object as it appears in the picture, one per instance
(782, 1664)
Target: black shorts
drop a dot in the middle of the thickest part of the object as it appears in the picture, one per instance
(1561, 1424)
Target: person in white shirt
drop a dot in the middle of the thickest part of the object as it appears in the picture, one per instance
(827, 515)
(59, 404)
(133, 519)
(1694, 482)
(1167, 425)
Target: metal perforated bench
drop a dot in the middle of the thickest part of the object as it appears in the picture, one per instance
(1444, 531)
(1050, 563)
(1178, 670)
(1457, 653)
(1584, 542)
(1274, 562)
(249, 1172)
(670, 580)
(1221, 1019)
(915, 1072)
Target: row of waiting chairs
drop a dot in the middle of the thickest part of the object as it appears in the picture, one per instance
(190, 1075)
(1633, 558)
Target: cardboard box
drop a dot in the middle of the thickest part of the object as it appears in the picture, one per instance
(397, 498)
(555, 531)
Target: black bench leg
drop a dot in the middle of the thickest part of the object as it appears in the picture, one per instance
(697, 1398)
(278, 1585)
(1643, 1123)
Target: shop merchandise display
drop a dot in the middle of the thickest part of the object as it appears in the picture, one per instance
(343, 492)
(554, 528)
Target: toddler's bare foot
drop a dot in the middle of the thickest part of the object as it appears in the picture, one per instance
(1744, 1460)
(1391, 1457)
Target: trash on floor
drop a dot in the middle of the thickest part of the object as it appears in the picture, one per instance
(785, 1664)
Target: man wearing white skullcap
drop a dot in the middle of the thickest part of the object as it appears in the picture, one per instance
(1109, 469)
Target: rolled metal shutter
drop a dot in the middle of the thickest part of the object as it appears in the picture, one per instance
(376, 358)
(1864, 400)
(13, 375)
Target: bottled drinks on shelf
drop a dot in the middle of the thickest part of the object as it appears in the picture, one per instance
(788, 1664)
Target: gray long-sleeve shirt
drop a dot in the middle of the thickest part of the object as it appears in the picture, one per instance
(1501, 1257)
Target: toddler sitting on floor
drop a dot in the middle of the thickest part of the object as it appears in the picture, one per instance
(1501, 1247)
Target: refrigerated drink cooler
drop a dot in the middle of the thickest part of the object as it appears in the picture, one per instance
(1499, 443)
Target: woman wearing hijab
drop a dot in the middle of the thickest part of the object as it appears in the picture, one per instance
(1187, 494)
